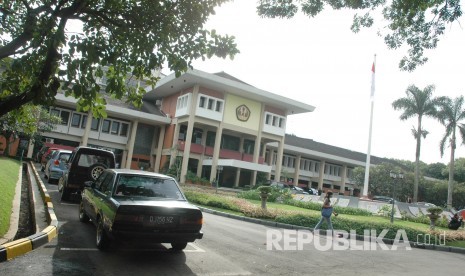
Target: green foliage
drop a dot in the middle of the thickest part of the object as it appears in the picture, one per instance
(441, 222)
(212, 200)
(120, 41)
(436, 170)
(338, 209)
(407, 22)
(385, 210)
(434, 210)
(349, 224)
(276, 194)
(192, 177)
(8, 179)
(264, 189)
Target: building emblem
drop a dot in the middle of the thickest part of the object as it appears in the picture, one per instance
(243, 113)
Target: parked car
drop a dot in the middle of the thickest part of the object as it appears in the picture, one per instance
(312, 191)
(56, 166)
(298, 190)
(139, 207)
(426, 204)
(44, 153)
(83, 165)
(383, 198)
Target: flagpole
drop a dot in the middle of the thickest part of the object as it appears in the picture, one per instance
(367, 164)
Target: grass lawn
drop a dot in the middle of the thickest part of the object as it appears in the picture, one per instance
(9, 173)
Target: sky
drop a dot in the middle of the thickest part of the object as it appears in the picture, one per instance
(321, 62)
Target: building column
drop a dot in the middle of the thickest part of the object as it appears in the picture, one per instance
(174, 148)
(321, 174)
(85, 137)
(279, 161)
(238, 177)
(161, 138)
(202, 156)
(343, 179)
(269, 161)
(190, 130)
(132, 140)
(216, 151)
(123, 159)
(297, 170)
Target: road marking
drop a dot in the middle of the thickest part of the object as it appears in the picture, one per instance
(78, 249)
(197, 249)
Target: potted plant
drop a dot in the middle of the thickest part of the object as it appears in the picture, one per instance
(264, 191)
(434, 214)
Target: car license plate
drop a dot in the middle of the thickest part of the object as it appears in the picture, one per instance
(160, 220)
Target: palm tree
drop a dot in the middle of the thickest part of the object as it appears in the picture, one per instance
(450, 115)
(419, 103)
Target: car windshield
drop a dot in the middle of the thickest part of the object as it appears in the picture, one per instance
(147, 186)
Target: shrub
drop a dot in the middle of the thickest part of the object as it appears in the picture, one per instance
(338, 209)
(385, 210)
(434, 210)
(276, 194)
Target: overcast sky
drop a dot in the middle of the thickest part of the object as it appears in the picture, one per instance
(321, 62)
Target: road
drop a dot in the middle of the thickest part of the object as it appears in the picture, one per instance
(229, 247)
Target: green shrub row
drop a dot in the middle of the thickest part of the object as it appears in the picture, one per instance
(276, 194)
(338, 209)
(348, 225)
(211, 200)
(441, 222)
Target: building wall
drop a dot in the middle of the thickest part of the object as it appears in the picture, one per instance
(232, 103)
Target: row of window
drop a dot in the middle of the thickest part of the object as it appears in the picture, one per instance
(211, 103)
(79, 120)
(274, 120)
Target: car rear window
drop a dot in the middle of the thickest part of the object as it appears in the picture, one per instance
(87, 160)
(147, 186)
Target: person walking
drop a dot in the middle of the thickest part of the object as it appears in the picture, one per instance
(326, 212)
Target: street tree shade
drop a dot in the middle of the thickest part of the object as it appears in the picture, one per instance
(123, 40)
(451, 113)
(418, 103)
(120, 40)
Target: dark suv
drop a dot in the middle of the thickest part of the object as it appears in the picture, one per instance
(84, 164)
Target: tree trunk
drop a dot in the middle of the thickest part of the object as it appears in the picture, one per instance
(450, 186)
(417, 162)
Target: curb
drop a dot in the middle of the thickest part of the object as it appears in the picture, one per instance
(22, 246)
(451, 249)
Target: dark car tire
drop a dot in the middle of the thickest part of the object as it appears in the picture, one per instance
(178, 246)
(102, 240)
(83, 217)
(65, 194)
(96, 170)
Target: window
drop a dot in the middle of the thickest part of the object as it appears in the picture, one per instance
(64, 117)
(202, 101)
(84, 121)
(55, 112)
(268, 119)
(281, 122)
(210, 104)
(124, 129)
(95, 124)
(115, 128)
(106, 126)
(219, 106)
(210, 139)
(76, 120)
(230, 142)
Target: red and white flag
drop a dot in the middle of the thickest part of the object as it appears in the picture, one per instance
(373, 81)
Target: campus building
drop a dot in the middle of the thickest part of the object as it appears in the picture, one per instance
(214, 126)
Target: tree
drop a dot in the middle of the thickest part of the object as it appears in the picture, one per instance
(29, 121)
(450, 115)
(119, 39)
(434, 170)
(419, 103)
(419, 24)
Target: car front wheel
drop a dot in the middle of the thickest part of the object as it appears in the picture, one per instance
(102, 241)
(83, 217)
